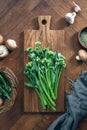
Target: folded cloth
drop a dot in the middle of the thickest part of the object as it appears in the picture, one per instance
(76, 105)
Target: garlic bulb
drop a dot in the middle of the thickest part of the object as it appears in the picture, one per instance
(11, 44)
(70, 17)
(3, 51)
(76, 7)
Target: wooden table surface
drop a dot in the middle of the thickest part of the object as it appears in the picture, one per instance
(15, 17)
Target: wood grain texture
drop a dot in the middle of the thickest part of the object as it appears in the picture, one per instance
(15, 17)
(54, 39)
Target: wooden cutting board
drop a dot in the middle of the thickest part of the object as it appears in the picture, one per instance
(54, 39)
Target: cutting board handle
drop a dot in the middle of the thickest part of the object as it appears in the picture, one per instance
(44, 22)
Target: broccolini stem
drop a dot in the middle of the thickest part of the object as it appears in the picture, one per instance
(43, 102)
(48, 79)
(57, 82)
(45, 91)
(48, 102)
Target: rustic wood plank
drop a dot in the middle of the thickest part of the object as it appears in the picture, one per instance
(38, 122)
(27, 121)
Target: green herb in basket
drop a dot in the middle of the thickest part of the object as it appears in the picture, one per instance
(5, 88)
(44, 71)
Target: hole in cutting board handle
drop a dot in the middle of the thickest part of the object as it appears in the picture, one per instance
(44, 21)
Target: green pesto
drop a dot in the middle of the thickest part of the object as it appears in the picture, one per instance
(83, 37)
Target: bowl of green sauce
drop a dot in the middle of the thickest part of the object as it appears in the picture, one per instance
(82, 36)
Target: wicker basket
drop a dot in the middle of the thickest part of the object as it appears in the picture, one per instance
(13, 82)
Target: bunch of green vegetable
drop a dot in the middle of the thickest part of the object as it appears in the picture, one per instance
(44, 71)
(5, 88)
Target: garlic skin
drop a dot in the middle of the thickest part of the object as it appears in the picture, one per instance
(3, 51)
(1, 39)
(70, 17)
(11, 44)
(76, 7)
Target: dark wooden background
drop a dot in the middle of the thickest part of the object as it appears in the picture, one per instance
(17, 15)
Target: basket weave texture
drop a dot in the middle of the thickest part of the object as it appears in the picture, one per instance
(13, 82)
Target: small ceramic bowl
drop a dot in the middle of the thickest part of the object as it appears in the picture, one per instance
(82, 37)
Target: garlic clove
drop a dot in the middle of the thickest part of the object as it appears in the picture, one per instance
(3, 51)
(73, 17)
(76, 7)
(70, 17)
(11, 44)
(1, 39)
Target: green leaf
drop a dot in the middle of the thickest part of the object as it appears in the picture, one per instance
(29, 84)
